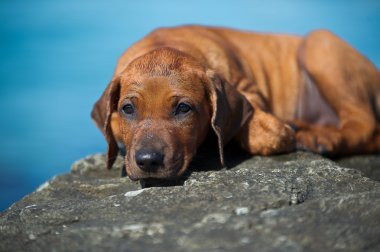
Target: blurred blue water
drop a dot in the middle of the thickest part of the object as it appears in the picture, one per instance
(56, 57)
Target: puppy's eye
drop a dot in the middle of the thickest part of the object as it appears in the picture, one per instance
(128, 109)
(183, 108)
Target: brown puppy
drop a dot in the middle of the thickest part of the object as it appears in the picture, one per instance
(174, 86)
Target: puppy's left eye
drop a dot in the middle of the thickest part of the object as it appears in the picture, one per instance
(128, 109)
(183, 108)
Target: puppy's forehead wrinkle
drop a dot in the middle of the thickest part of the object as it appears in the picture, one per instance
(174, 78)
(163, 61)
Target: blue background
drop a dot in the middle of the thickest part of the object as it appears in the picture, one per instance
(56, 57)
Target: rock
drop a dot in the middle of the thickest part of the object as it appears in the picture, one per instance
(295, 202)
(369, 165)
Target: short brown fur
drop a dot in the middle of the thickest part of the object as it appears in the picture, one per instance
(250, 87)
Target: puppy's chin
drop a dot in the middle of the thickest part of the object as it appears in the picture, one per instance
(169, 174)
(151, 176)
(159, 182)
(133, 177)
(175, 177)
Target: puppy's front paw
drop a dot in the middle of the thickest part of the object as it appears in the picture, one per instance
(324, 142)
(266, 135)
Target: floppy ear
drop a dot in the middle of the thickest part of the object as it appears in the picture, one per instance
(230, 110)
(102, 113)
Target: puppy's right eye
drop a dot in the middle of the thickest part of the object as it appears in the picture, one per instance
(128, 109)
(182, 108)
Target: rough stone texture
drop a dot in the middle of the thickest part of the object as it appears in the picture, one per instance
(369, 165)
(296, 202)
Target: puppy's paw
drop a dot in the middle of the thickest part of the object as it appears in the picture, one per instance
(267, 135)
(324, 142)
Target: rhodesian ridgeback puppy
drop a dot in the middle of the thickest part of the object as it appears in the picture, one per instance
(270, 93)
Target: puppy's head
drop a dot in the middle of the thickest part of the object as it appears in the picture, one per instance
(161, 107)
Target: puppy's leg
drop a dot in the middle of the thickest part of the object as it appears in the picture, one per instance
(323, 139)
(373, 144)
(349, 83)
(263, 134)
(319, 139)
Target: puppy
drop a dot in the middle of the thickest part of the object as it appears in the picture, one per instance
(270, 93)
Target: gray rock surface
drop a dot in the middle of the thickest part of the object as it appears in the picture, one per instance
(296, 202)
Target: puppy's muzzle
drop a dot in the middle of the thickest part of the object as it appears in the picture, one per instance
(149, 160)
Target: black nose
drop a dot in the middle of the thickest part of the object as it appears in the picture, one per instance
(149, 160)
